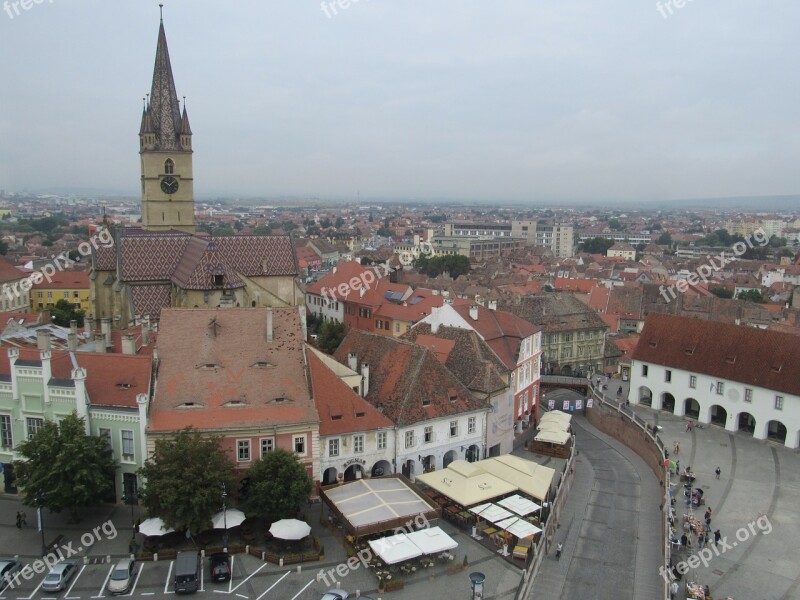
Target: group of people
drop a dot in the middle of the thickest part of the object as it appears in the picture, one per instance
(22, 519)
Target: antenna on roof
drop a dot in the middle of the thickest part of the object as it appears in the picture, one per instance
(214, 325)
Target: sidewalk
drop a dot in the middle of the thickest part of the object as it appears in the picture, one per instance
(27, 542)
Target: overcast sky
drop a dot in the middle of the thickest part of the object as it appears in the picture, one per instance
(502, 100)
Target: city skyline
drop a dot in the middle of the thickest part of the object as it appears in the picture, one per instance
(573, 103)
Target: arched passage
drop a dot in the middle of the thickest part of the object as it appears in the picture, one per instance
(719, 416)
(473, 453)
(645, 396)
(776, 432)
(408, 468)
(353, 472)
(428, 463)
(448, 458)
(381, 468)
(746, 422)
(691, 408)
(668, 402)
(329, 476)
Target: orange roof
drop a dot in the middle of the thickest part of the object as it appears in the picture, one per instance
(218, 370)
(579, 285)
(442, 347)
(340, 409)
(62, 280)
(9, 272)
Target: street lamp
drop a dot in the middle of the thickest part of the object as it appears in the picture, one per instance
(477, 579)
(40, 500)
(225, 518)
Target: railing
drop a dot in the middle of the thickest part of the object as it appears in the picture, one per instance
(623, 409)
(563, 380)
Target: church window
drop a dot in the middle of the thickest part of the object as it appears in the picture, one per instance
(169, 167)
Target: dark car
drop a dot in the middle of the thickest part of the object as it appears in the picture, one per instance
(220, 566)
(8, 568)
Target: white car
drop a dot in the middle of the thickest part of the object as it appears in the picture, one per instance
(59, 576)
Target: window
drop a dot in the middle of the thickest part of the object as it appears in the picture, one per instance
(778, 402)
(75, 295)
(105, 433)
(381, 440)
(409, 439)
(39, 294)
(692, 381)
(169, 167)
(667, 375)
(358, 444)
(397, 327)
(333, 447)
(426, 402)
(644, 370)
(127, 446)
(748, 395)
(6, 437)
(428, 434)
(33, 425)
(720, 388)
(267, 445)
(49, 294)
(453, 428)
(243, 450)
(300, 444)
(471, 425)
(66, 295)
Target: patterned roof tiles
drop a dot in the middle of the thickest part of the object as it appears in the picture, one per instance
(150, 299)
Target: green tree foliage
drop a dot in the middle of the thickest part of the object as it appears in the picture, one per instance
(615, 224)
(184, 479)
(67, 467)
(339, 222)
(64, 312)
(385, 231)
(720, 237)
(325, 223)
(752, 295)
(596, 245)
(277, 485)
(262, 230)
(722, 293)
(776, 242)
(434, 266)
(665, 239)
(3, 248)
(330, 335)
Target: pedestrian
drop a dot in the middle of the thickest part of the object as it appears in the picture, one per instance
(19, 520)
(708, 513)
(674, 589)
(717, 472)
(558, 551)
(689, 425)
(684, 541)
(708, 520)
(701, 541)
(705, 538)
(717, 537)
(677, 448)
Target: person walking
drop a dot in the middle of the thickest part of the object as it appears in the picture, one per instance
(19, 520)
(677, 448)
(717, 537)
(689, 425)
(705, 538)
(674, 589)
(558, 551)
(717, 472)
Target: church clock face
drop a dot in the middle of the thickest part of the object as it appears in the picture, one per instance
(169, 185)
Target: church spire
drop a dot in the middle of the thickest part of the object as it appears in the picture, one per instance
(164, 109)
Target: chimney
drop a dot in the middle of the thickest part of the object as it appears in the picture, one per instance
(473, 312)
(73, 326)
(105, 325)
(303, 323)
(365, 378)
(13, 355)
(269, 325)
(99, 343)
(43, 340)
(88, 326)
(72, 341)
(143, 401)
(492, 304)
(435, 320)
(146, 331)
(129, 344)
(79, 378)
(352, 361)
(47, 373)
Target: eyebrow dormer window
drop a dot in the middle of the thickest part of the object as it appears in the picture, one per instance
(169, 167)
(218, 280)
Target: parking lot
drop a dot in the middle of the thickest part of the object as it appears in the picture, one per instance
(252, 579)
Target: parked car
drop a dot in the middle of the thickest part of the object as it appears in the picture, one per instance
(8, 568)
(336, 595)
(220, 566)
(122, 576)
(59, 576)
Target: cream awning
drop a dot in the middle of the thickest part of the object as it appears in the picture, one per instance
(479, 487)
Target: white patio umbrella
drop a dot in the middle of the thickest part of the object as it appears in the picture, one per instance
(231, 517)
(153, 527)
(290, 529)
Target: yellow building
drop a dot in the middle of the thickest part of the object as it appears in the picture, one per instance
(72, 286)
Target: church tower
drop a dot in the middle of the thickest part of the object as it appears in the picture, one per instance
(165, 147)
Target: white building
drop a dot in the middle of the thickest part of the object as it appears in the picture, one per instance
(741, 378)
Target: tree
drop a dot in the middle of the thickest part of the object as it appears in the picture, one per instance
(66, 467)
(722, 292)
(596, 245)
(339, 222)
(777, 242)
(277, 485)
(3, 248)
(325, 223)
(752, 295)
(385, 231)
(435, 266)
(665, 239)
(329, 335)
(64, 312)
(615, 224)
(262, 230)
(184, 479)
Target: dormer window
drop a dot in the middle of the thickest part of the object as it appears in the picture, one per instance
(124, 386)
(187, 405)
(208, 366)
(219, 280)
(262, 364)
(426, 402)
(169, 167)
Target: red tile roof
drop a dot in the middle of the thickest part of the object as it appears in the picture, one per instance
(758, 357)
(65, 280)
(9, 272)
(340, 409)
(218, 370)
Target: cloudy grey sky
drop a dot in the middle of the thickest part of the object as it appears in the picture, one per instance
(502, 100)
